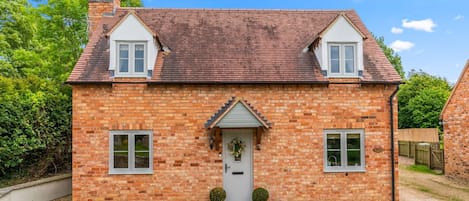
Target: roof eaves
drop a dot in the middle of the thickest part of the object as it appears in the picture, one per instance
(342, 14)
(133, 13)
(214, 119)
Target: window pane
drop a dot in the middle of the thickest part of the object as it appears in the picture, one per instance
(349, 66)
(349, 52)
(333, 158)
(121, 159)
(142, 159)
(335, 67)
(123, 58)
(335, 59)
(139, 65)
(349, 59)
(333, 150)
(121, 143)
(353, 141)
(335, 52)
(142, 143)
(333, 141)
(139, 51)
(353, 149)
(124, 65)
(353, 158)
(123, 51)
(139, 58)
(142, 151)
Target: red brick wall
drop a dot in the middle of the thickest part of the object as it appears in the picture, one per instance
(456, 130)
(290, 164)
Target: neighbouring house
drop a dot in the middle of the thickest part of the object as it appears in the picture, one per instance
(170, 103)
(455, 118)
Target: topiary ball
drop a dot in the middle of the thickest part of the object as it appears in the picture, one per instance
(217, 194)
(260, 194)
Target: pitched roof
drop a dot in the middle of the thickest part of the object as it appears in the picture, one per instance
(232, 46)
(228, 106)
(456, 87)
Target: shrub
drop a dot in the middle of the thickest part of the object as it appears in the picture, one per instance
(260, 194)
(217, 194)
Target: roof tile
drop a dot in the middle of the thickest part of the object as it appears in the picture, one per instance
(232, 46)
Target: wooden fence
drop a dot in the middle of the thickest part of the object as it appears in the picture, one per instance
(423, 145)
(418, 134)
(407, 148)
(429, 154)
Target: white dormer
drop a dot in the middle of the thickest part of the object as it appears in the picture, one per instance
(133, 48)
(340, 49)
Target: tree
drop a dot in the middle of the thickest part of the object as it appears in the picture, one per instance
(38, 48)
(18, 24)
(421, 100)
(393, 57)
(131, 3)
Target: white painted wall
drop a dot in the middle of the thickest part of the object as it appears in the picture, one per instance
(340, 32)
(318, 52)
(42, 190)
(132, 30)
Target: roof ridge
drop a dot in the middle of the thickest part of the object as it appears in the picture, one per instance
(238, 9)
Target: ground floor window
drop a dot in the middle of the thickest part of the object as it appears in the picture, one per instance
(130, 152)
(344, 150)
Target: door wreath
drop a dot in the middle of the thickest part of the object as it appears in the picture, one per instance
(236, 147)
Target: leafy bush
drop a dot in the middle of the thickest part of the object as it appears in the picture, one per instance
(217, 194)
(34, 127)
(260, 194)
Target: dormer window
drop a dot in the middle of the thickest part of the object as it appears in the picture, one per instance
(133, 48)
(339, 49)
(131, 58)
(342, 59)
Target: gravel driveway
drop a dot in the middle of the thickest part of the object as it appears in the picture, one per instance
(428, 187)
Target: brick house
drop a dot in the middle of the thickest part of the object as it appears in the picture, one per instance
(455, 117)
(170, 103)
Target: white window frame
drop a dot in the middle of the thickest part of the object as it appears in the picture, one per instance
(131, 152)
(343, 151)
(131, 60)
(342, 69)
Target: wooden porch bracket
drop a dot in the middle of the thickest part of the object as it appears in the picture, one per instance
(217, 138)
(259, 132)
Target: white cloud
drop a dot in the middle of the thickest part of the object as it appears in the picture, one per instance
(426, 25)
(399, 45)
(396, 30)
(458, 17)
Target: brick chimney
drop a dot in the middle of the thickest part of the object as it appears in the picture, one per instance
(97, 9)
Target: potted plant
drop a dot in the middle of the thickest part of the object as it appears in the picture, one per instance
(217, 194)
(260, 194)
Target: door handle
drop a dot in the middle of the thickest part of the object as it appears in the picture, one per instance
(226, 167)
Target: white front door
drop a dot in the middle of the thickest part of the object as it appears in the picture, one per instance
(237, 171)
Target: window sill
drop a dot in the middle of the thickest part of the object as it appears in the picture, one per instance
(131, 76)
(343, 170)
(131, 172)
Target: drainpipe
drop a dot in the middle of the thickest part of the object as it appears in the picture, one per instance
(391, 113)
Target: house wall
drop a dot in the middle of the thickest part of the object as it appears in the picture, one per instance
(289, 164)
(456, 132)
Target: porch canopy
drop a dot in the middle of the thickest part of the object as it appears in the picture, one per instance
(236, 113)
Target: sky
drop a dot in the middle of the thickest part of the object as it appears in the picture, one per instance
(431, 35)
